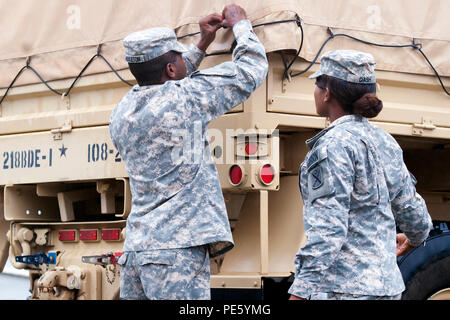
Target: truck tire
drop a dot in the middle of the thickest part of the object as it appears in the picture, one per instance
(426, 269)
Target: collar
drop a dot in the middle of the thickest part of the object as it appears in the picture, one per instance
(348, 118)
(143, 88)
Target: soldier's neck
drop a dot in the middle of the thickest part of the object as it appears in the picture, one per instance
(335, 111)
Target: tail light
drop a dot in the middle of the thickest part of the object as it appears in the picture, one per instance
(89, 235)
(111, 234)
(251, 148)
(236, 175)
(267, 174)
(68, 235)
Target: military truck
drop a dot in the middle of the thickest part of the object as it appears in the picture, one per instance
(65, 193)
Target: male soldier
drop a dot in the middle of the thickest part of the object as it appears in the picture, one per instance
(178, 218)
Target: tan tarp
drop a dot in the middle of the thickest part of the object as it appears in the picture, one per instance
(60, 36)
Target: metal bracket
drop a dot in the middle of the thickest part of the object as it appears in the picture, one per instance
(417, 44)
(66, 100)
(427, 124)
(42, 239)
(102, 260)
(38, 259)
(285, 82)
(66, 128)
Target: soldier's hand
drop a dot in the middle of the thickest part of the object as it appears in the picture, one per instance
(403, 245)
(208, 28)
(232, 14)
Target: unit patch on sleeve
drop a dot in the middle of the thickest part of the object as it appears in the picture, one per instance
(318, 175)
(317, 178)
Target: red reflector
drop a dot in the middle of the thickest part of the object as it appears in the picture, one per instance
(251, 148)
(67, 235)
(88, 235)
(267, 174)
(111, 234)
(235, 175)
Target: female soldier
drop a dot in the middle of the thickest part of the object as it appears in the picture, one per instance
(355, 189)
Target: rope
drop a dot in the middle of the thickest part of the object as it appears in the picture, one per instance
(27, 66)
(99, 55)
(416, 46)
(287, 73)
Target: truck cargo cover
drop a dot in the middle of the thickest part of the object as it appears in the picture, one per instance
(60, 36)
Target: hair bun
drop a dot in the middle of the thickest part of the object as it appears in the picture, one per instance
(368, 106)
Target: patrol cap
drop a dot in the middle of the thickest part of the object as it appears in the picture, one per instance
(146, 45)
(349, 65)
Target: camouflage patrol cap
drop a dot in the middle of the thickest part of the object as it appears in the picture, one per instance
(349, 65)
(151, 43)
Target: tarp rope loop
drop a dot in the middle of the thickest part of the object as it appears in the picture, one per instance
(287, 74)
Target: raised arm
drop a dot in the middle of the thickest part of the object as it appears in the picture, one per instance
(208, 28)
(216, 90)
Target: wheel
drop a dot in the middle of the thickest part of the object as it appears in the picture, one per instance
(426, 270)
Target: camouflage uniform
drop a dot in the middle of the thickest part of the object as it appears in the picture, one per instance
(173, 274)
(355, 189)
(161, 134)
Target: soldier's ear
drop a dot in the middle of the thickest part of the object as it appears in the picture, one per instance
(327, 96)
(171, 70)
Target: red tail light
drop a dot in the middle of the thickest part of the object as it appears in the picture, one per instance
(236, 175)
(89, 235)
(251, 148)
(111, 234)
(267, 174)
(67, 235)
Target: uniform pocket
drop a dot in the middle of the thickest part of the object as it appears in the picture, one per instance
(156, 257)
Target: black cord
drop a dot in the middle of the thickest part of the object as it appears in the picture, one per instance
(230, 51)
(314, 60)
(98, 54)
(87, 65)
(435, 71)
(255, 26)
(333, 35)
(27, 66)
(43, 81)
(287, 66)
(12, 83)
(115, 71)
(80, 74)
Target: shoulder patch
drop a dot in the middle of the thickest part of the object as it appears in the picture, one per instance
(317, 178)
